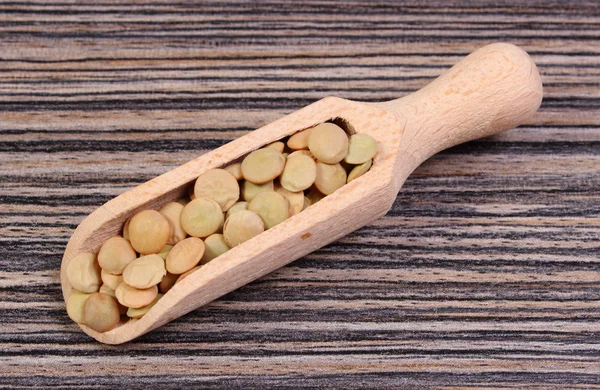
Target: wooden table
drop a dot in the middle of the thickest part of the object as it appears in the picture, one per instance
(486, 271)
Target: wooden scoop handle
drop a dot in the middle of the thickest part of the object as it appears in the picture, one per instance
(493, 89)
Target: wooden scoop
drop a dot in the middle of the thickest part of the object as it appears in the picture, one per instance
(494, 89)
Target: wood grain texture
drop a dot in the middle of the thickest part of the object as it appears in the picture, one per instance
(485, 273)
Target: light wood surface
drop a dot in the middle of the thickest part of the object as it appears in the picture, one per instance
(485, 272)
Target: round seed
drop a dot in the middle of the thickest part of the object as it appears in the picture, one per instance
(126, 229)
(218, 185)
(185, 255)
(83, 273)
(201, 217)
(302, 152)
(110, 280)
(299, 173)
(271, 207)
(101, 312)
(359, 170)
(172, 212)
(306, 203)
(299, 140)
(236, 170)
(295, 200)
(236, 207)
(165, 251)
(115, 254)
(185, 275)
(139, 313)
(220, 229)
(241, 227)
(184, 201)
(144, 272)
(328, 142)
(104, 289)
(314, 196)
(250, 190)
(262, 165)
(133, 297)
(361, 148)
(109, 291)
(215, 247)
(167, 282)
(277, 145)
(329, 177)
(75, 306)
(149, 232)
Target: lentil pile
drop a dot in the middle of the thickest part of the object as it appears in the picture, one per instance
(226, 207)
